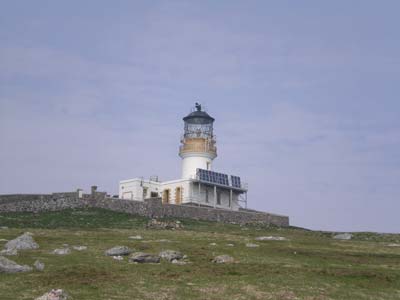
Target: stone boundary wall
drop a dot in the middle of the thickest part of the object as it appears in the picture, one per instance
(152, 208)
(42, 202)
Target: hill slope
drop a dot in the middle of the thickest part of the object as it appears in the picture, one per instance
(308, 265)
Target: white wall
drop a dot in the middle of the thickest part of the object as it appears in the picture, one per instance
(133, 189)
(190, 164)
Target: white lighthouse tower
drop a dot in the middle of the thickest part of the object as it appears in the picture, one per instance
(197, 148)
(199, 185)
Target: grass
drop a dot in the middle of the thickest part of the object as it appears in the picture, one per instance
(310, 265)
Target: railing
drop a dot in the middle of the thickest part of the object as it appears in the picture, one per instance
(198, 147)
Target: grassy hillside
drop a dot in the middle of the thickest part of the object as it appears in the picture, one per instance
(310, 265)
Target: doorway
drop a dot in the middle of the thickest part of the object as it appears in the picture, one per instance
(166, 196)
(178, 195)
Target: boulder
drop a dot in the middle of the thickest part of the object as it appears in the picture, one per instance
(223, 259)
(230, 245)
(157, 224)
(343, 236)
(118, 250)
(135, 237)
(118, 257)
(61, 251)
(38, 265)
(79, 248)
(393, 245)
(141, 257)
(9, 266)
(9, 252)
(171, 255)
(250, 245)
(178, 262)
(213, 244)
(54, 295)
(271, 238)
(23, 242)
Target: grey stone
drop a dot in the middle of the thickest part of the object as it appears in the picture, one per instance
(118, 257)
(3, 240)
(223, 259)
(251, 245)
(136, 237)
(230, 245)
(118, 250)
(178, 262)
(61, 251)
(141, 257)
(393, 245)
(343, 236)
(271, 238)
(23, 242)
(9, 266)
(38, 265)
(3, 227)
(9, 252)
(171, 255)
(56, 294)
(79, 248)
(213, 244)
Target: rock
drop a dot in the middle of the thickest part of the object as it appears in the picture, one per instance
(3, 240)
(230, 245)
(118, 250)
(393, 245)
(270, 238)
(343, 236)
(23, 242)
(9, 252)
(135, 237)
(223, 259)
(118, 257)
(54, 295)
(178, 262)
(164, 241)
(61, 251)
(213, 244)
(156, 224)
(9, 266)
(141, 257)
(3, 227)
(79, 248)
(250, 245)
(171, 255)
(38, 265)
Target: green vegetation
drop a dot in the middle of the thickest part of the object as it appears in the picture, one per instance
(310, 265)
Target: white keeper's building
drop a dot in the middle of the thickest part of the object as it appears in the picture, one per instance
(199, 185)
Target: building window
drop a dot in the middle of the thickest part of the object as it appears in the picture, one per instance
(218, 197)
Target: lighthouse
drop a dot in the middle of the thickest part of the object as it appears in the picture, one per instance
(197, 149)
(199, 184)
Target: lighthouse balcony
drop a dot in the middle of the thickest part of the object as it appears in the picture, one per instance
(198, 145)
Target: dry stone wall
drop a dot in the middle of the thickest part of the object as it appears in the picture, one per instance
(152, 208)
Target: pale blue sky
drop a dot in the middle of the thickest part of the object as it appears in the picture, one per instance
(305, 96)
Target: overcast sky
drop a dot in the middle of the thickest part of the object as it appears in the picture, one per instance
(305, 95)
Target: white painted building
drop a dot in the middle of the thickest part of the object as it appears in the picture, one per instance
(199, 185)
